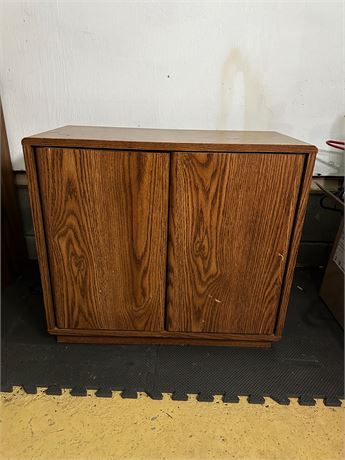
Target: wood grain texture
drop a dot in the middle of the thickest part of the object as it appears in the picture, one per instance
(105, 222)
(170, 140)
(37, 218)
(309, 161)
(101, 222)
(169, 340)
(165, 334)
(230, 223)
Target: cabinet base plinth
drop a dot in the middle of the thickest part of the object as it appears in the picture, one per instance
(161, 341)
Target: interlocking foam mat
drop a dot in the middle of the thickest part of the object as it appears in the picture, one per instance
(306, 364)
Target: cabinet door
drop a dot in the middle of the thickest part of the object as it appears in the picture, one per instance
(105, 218)
(231, 217)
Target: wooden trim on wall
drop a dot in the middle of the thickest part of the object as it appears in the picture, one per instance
(13, 249)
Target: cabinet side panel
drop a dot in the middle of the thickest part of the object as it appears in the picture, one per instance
(105, 215)
(36, 209)
(295, 239)
(230, 224)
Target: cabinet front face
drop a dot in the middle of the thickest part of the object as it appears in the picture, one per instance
(105, 220)
(231, 217)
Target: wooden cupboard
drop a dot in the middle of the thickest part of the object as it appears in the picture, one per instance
(167, 236)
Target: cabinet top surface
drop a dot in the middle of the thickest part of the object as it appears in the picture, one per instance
(169, 140)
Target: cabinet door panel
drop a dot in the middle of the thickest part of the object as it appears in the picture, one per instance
(105, 219)
(231, 217)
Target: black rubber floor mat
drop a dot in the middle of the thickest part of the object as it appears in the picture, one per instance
(307, 363)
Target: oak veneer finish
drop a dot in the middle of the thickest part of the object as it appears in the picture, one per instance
(118, 212)
(222, 255)
(169, 140)
(105, 215)
(156, 340)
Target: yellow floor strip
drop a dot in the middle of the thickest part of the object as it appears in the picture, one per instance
(66, 427)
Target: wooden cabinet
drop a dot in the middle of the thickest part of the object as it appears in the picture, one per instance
(105, 218)
(231, 217)
(167, 236)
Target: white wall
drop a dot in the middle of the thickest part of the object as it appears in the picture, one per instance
(274, 65)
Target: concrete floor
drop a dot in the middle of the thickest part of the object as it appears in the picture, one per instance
(66, 427)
